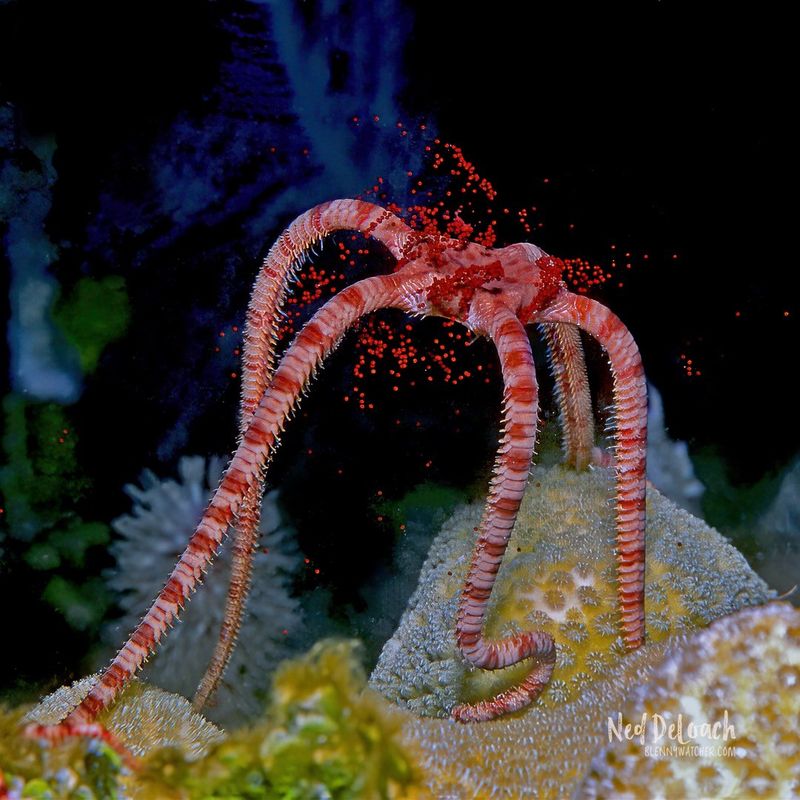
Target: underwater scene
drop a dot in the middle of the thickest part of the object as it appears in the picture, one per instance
(398, 401)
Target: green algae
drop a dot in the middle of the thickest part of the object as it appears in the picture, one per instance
(41, 477)
(93, 314)
(42, 485)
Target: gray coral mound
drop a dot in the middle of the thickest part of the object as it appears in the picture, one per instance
(559, 576)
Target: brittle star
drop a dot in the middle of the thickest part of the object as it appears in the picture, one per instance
(493, 292)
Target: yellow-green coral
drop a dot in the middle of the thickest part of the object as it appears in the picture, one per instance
(559, 576)
(745, 666)
(324, 735)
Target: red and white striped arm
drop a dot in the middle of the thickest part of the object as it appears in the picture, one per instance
(279, 267)
(245, 541)
(297, 366)
(507, 488)
(568, 365)
(55, 734)
(630, 412)
(258, 366)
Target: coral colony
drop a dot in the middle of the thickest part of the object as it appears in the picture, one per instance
(494, 293)
(558, 573)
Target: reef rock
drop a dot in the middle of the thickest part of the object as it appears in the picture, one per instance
(324, 733)
(559, 576)
(326, 736)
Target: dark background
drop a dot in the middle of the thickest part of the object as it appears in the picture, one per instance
(647, 125)
(665, 129)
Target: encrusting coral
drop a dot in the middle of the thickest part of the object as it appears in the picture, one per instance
(164, 515)
(746, 664)
(559, 577)
(542, 754)
(744, 672)
(144, 719)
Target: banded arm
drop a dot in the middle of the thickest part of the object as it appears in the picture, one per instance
(284, 257)
(245, 541)
(310, 347)
(507, 488)
(568, 365)
(630, 446)
(258, 366)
